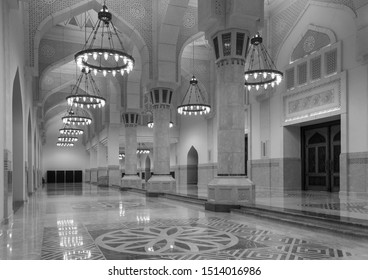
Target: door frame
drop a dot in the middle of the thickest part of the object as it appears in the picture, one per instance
(303, 155)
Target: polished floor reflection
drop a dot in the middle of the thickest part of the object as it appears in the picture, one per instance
(68, 222)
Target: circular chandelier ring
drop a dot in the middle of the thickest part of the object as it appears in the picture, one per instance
(76, 120)
(71, 131)
(67, 139)
(193, 108)
(65, 144)
(82, 57)
(87, 100)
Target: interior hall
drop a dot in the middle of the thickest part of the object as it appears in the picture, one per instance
(191, 129)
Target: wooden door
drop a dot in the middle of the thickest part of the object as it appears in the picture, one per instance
(335, 144)
(321, 157)
(316, 159)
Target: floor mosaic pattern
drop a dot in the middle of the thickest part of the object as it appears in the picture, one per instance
(90, 223)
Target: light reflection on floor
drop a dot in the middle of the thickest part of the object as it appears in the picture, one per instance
(80, 222)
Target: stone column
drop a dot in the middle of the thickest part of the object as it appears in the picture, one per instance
(227, 27)
(102, 165)
(161, 181)
(131, 179)
(93, 164)
(87, 171)
(113, 167)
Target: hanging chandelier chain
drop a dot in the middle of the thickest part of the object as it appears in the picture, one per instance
(116, 32)
(94, 86)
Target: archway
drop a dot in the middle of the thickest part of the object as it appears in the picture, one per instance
(29, 166)
(147, 168)
(192, 172)
(17, 144)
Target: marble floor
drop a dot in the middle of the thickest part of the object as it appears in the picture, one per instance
(64, 222)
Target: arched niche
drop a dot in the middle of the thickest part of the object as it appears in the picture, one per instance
(147, 168)
(17, 144)
(29, 166)
(192, 172)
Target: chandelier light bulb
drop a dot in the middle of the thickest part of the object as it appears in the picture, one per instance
(95, 55)
(255, 75)
(95, 71)
(246, 77)
(257, 87)
(265, 86)
(264, 75)
(116, 56)
(106, 56)
(114, 73)
(273, 84)
(104, 72)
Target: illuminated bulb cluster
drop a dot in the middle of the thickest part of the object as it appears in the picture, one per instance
(110, 58)
(121, 156)
(152, 124)
(71, 131)
(143, 151)
(261, 70)
(77, 120)
(65, 144)
(67, 139)
(262, 78)
(194, 109)
(194, 102)
(104, 58)
(88, 101)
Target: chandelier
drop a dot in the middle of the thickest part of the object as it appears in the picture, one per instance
(261, 71)
(86, 99)
(194, 101)
(72, 119)
(142, 149)
(67, 139)
(102, 56)
(121, 156)
(70, 131)
(65, 144)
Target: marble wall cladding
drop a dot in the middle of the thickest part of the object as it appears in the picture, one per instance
(357, 172)
(291, 171)
(276, 174)
(206, 172)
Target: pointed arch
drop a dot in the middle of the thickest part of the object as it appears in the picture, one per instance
(192, 172)
(81, 7)
(18, 188)
(29, 166)
(147, 168)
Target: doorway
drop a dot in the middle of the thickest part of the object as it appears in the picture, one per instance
(147, 169)
(321, 148)
(192, 172)
(17, 143)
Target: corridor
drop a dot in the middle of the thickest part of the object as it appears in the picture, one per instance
(83, 221)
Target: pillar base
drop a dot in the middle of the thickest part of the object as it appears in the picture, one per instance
(159, 184)
(114, 176)
(87, 176)
(227, 192)
(102, 178)
(93, 175)
(131, 181)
